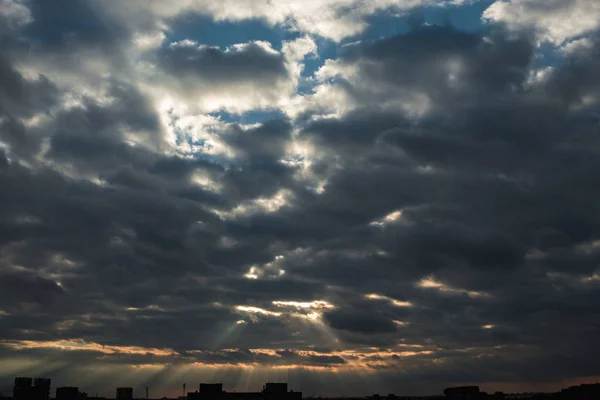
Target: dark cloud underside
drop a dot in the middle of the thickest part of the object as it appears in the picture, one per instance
(459, 243)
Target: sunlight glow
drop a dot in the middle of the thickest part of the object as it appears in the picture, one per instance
(204, 180)
(588, 247)
(259, 205)
(591, 279)
(388, 219)
(311, 311)
(152, 307)
(257, 310)
(430, 283)
(270, 270)
(253, 273)
(82, 345)
(397, 303)
(317, 304)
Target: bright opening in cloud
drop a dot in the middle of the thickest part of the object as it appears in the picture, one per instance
(394, 302)
(430, 283)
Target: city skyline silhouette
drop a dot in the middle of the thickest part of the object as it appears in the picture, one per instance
(26, 388)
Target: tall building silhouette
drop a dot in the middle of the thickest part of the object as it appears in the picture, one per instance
(67, 393)
(463, 393)
(42, 388)
(26, 388)
(581, 392)
(270, 391)
(125, 393)
(22, 388)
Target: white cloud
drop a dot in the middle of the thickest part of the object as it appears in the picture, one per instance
(148, 41)
(327, 100)
(332, 19)
(253, 273)
(317, 304)
(270, 270)
(204, 180)
(253, 311)
(388, 219)
(14, 13)
(576, 46)
(259, 205)
(309, 310)
(332, 99)
(242, 77)
(554, 20)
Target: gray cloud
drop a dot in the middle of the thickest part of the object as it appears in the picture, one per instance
(113, 241)
(68, 24)
(252, 61)
(360, 322)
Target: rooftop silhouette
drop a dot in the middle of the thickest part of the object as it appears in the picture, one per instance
(26, 388)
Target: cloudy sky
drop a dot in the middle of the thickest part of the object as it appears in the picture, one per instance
(365, 196)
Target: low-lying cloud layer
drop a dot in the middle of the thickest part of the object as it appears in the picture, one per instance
(419, 210)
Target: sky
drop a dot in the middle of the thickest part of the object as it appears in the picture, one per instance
(357, 196)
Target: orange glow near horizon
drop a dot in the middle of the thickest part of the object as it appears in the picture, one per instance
(82, 345)
(361, 363)
(362, 359)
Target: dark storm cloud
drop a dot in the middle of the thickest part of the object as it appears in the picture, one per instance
(20, 97)
(360, 322)
(88, 131)
(115, 244)
(580, 77)
(281, 357)
(509, 173)
(71, 24)
(18, 289)
(430, 59)
(250, 62)
(266, 141)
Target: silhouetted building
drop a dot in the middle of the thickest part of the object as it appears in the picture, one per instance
(211, 388)
(463, 393)
(390, 396)
(274, 387)
(209, 391)
(244, 396)
(24, 390)
(279, 391)
(67, 393)
(41, 388)
(581, 392)
(271, 391)
(125, 393)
